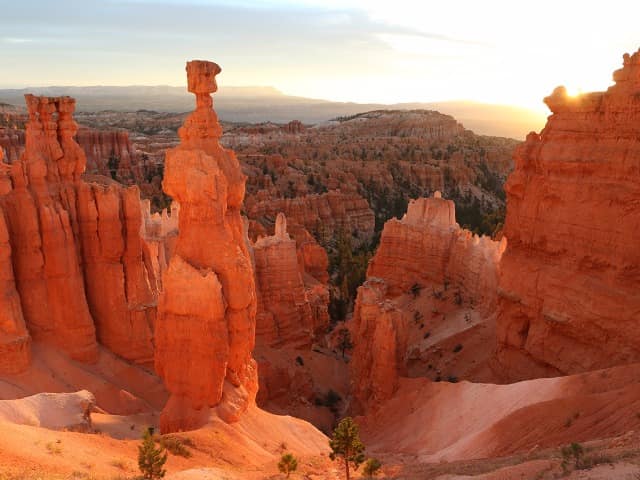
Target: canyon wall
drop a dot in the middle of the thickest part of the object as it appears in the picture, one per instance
(205, 331)
(75, 248)
(15, 340)
(100, 146)
(570, 277)
(424, 251)
(324, 214)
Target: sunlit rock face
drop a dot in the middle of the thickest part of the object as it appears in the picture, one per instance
(426, 249)
(205, 330)
(427, 246)
(327, 214)
(286, 316)
(73, 250)
(570, 278)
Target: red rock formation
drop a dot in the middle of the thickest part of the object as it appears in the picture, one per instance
(427, 247)
(76, 251)
(40, 210)
(101, 145)
(12, 142)
(294, 126)
(312, 258)
(323, 214)
(381, 333)
(205, 331)
(426, 250)
(285, 314)
(120, 289)
(160, 234)
(570, 276)
(14, 337)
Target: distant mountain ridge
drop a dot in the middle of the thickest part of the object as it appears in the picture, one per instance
(262, 104)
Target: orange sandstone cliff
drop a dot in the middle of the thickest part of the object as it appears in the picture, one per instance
(570, 277)
(14, 337)
(205, 330)
(286, 314)
(75, 248)
(428, 276)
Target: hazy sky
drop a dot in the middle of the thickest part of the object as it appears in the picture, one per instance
(506, 51)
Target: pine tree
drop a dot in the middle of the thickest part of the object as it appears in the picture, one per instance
(151, 459)
(345, 444)
(288, 463)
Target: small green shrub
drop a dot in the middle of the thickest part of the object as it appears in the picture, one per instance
(287, 464)
(176, 445)
(572, 453)
(371, 467)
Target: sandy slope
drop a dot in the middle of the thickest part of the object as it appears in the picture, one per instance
(248, 449)
(445, 421)
(129, 399)
(119, 387)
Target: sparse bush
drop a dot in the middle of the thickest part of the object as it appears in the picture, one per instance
(573, 452)
(330, 400)
(299, 361)
(371, 467)
(176, 445)
(415, 289)
(452, 379)
(287, 464)
(457, 348)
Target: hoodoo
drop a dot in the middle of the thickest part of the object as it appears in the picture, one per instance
(73, 250)
(205, 331)
(570, 277)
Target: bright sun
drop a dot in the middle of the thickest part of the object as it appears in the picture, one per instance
(574, 91)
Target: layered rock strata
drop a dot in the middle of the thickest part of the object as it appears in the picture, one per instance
(425, 250)
(427, 247)
(290, 311)
(110, 152)
(325, 215)
(570, 277)
(14, 338)
(75, 251)
(205, 331)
